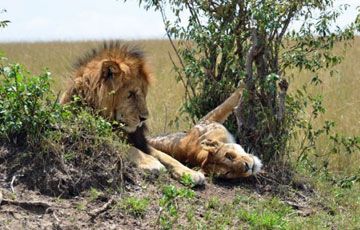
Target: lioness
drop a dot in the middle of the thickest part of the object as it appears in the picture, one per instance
(115, 79)
(210, 146)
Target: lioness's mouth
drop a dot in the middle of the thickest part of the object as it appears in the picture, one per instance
(256, 165)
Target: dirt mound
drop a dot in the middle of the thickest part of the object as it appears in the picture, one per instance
(54, 174)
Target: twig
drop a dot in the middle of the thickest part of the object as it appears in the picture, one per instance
(175, 50)
(56, 218)
(102, 209)
(269, 179)
(293, 204)
(12, 183)
(169, 37)
(27, 204)
(185, 84)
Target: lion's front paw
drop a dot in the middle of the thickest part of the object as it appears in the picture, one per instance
(145, 162)
(197, 177)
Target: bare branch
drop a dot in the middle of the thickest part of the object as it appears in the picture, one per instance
(283, 84)
(253, 52)
(170, 39)
(185, 83)
(102, 209)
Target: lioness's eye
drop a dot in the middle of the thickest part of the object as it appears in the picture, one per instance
(229, 156)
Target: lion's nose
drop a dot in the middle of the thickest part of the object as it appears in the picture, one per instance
(142, 118)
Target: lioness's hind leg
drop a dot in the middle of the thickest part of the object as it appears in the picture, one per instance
(222, 112)
(145, 161)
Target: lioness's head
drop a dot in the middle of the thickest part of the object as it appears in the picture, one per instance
(228, 160)
(114, 80)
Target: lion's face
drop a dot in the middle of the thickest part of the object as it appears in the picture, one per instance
(229, 160)
(121, 94)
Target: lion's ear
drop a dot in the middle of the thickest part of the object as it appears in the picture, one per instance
(210, 145)
(108, 69)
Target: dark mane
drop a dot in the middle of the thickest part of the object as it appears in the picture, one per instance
(110, 49)
(138, 139)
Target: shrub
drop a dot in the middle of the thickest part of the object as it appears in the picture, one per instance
(27, 106)
(60, 150)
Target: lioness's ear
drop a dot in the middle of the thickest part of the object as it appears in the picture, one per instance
(210, 145)
(108, 69)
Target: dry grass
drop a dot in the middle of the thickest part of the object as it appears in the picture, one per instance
(165, 95)
(342, 98)
(342, 101)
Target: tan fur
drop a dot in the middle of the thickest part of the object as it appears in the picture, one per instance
(115, 80)
(210, 146)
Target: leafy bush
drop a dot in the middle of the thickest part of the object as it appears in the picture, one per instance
(27, 107)
(29, 111)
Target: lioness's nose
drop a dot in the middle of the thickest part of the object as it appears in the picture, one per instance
(247, 167)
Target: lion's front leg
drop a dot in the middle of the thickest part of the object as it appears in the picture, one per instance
(144, 161)
(177, 169)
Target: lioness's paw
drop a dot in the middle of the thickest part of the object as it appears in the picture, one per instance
(196, 177)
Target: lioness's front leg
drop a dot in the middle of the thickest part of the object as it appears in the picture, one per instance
(177, 169)
(144, 161)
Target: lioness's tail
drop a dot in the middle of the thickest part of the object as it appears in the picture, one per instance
(222, 112)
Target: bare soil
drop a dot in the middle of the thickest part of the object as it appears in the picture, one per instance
(25, 206)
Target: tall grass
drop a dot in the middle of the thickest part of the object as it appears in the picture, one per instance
(165, 96)
(342, 101)
(342, 97)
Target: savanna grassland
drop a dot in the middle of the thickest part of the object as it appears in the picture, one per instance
(324, 203)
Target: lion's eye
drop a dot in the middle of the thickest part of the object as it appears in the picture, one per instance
(229, 156)
(131, 94)
(108, 74)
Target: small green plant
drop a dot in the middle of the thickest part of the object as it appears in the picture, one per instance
(94, 194)
(135, 206)
(168, 203)
(213, 203)
(187, 180)
(81, 206)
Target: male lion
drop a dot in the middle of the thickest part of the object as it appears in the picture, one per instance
(114, 79)
(210, 146)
